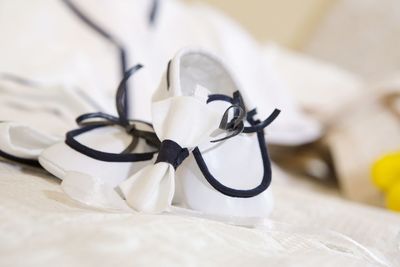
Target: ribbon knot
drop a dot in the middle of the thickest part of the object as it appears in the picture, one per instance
(172, 153)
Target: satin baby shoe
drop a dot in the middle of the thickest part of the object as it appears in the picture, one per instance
(101, 153)
(213, 156)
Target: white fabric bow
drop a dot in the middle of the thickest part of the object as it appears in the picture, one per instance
(187, 121)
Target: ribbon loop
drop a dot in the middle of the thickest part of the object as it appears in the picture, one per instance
(104, 119)
(257, 125)
(96, 118)
(91, 121)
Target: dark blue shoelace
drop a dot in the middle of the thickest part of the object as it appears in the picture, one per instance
(123, 54)
(154, 10)
(234, 127)
(90, 121)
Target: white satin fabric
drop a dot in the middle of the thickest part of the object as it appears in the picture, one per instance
(186, 120)
(23, 141)
(93, 192)
(34, 116)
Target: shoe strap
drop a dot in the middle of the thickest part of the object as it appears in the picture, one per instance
(100, 155)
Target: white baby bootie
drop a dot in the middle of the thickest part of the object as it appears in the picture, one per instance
(191, 113)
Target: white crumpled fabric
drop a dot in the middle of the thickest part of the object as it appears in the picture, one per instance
(185, 120)
(40, 226)
(92, 192)
(71, 52)
(23, 141)
(34, 116)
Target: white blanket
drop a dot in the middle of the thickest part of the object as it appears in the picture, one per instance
(40, 226)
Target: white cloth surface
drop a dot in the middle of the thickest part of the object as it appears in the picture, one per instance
(47, 107)
(41, 226)
(23, 141)
(320, 88)
(63, 49)
(34, 116)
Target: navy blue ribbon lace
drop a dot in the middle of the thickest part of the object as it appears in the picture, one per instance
(154, 10)
(104, 34)
(234, 127)
(123, 55)
(90, 121)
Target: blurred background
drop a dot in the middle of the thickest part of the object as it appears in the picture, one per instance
(287, 22)
(350, 51)
(360, 35)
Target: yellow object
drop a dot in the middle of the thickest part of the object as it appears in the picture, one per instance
(386, 171)
(386, 176)
(393, 197)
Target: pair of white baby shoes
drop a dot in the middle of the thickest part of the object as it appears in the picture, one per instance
(204, 150)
